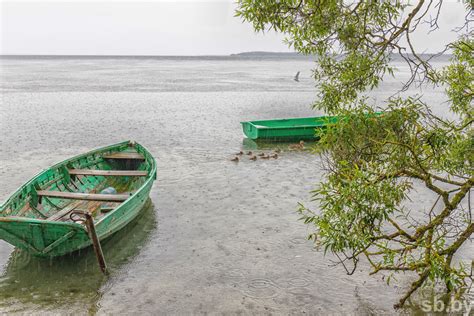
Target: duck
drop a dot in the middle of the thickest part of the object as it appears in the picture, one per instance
(261, 154)
(249, 153)
(275, 155)
(299, 146)
(278, 150)
(236, 159)
(265, 157)
(253, 158)
(240, 153)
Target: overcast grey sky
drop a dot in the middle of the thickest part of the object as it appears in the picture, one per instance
(152, 28)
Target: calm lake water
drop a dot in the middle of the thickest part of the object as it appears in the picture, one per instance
(217, 237)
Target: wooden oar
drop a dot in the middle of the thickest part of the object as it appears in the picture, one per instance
(89, 221)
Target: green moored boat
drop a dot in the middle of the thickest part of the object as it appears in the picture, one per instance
(292, 129)
(109, 186)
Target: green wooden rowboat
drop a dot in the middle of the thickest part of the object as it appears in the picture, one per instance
(292, 129)
(38, 216)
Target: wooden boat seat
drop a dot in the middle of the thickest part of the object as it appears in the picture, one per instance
(125, 155)
(105, 173)
(84, 196)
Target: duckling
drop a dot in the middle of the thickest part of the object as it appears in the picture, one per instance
(299, 146)
(236, 159)
(240, 153)
(249, 153)
(265, 157)
(275, 155)
(253, 158)
(278, 150)
(261, 154)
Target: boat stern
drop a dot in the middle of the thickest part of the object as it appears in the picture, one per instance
(43, 238)
(250, 130)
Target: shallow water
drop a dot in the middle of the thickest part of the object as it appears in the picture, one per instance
(218, 236)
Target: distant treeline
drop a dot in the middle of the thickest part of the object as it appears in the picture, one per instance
(291, 55)
(239, 56)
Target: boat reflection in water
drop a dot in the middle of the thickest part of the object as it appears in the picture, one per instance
(71, 282)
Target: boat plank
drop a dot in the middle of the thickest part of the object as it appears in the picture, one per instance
(85, 196)
(125, 155)
(66, 210)
(108, 173)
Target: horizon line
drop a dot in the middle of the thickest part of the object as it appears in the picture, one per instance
(241, 54)
(153, 55)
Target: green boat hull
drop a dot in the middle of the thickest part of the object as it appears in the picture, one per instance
(26, 219)
(293, 129)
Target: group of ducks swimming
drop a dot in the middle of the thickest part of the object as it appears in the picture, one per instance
(253, 157)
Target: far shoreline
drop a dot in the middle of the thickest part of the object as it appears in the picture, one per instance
(256, 55)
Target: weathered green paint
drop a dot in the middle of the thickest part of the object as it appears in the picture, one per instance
(58, 241)
(31, 232)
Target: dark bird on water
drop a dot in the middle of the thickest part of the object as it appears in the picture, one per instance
(236, 159)
(253, 158)
(297, 77)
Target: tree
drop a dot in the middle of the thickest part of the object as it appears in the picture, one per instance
(372, 160)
